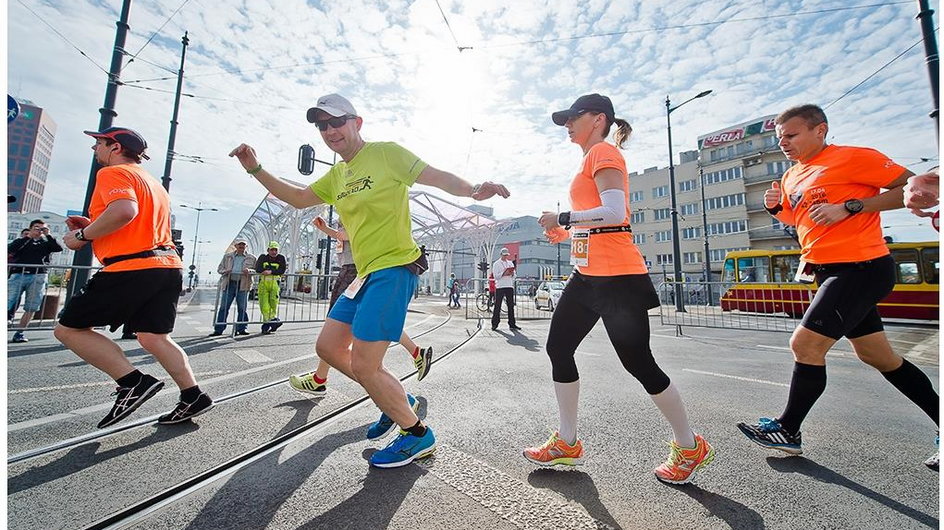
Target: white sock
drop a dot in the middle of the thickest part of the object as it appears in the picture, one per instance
(567, 396)
(670, 403)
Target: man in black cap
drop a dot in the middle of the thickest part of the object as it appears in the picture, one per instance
(129, 228)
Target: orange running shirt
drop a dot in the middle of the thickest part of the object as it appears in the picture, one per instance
(834, 176)
(612, 254)
(148, 230)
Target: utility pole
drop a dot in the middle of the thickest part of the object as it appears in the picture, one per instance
(930, 52)
(704, 229)
(165, 180)
(83, 256)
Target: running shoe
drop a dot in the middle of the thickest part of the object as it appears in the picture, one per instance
(934, 460)
(18, 337)
(769, 433)
(422, 362)
(306, 384)
(404, 449)
(556, 452)
(130, 398)
(384, 425)
(682, 463)
(184, 411)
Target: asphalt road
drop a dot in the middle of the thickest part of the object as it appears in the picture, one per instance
(864, 443)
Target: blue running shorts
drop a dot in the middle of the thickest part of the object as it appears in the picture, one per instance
(378, 311)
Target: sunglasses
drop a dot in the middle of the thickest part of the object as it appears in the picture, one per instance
(335, 123)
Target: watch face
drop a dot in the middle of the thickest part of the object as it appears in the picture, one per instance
(854, 205)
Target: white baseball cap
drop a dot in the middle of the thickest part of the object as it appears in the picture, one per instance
(334, 104)
(504, 252)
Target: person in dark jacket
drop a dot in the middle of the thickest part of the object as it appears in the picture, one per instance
(27, 255)
(271, 266)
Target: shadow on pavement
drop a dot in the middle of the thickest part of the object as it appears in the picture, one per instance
(85, 456)
(515, 338)
(575, 486)
(821, 473)
(735, 514)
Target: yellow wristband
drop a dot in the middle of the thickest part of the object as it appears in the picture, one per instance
(254, 170)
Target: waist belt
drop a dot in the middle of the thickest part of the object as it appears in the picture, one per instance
(610, 229)
(159, 251)
(27, 270)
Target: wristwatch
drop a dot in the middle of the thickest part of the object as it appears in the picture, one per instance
(563, 219)
(853, 206)
(80, 235)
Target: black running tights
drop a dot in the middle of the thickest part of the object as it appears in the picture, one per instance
(627, 329)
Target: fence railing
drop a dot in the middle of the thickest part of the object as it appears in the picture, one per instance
(302, 298)
(57, 288)
(528, 305)
(742, 305)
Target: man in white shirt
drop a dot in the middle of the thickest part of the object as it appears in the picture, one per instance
(504, 272)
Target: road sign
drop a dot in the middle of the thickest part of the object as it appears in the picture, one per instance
(13, 108)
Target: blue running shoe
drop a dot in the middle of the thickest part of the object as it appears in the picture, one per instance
(935, 459)
(404, 449)
(384, 425)
(769, 433)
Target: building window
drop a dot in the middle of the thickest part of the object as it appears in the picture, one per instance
(730, 227)
(663, 236)
(693, 232)
(691, 257)
(639, 239)
(662, 214)
(637, 218)
(718, 254)
(725, 201)
(724, 175)
(688, 185)
(661, 191)
(690, 209)
(777, 168)
(664, 259)
(636, 196)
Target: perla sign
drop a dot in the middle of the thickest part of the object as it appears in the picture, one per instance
(737, 133)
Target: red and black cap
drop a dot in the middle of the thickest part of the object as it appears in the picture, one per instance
(129, 140)
(588, 102)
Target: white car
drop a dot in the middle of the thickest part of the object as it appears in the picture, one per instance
(548, 295)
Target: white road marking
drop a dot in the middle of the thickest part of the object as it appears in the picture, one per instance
(251, 356)
(739, 378)
(588, 354)
(97, 383)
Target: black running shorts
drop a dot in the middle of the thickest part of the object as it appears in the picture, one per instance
(846, 304)
(144, 300)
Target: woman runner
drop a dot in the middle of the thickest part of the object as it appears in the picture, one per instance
(611, 282)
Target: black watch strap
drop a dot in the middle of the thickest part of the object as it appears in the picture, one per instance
(775, 210)
(563, 219)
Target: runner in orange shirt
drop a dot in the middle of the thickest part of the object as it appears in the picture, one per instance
(130, 234)
(611, 282)
(832, 194)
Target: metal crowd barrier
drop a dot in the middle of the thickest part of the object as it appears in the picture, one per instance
(58, 288)
(302, 298)
(742, 305)
(479, 304)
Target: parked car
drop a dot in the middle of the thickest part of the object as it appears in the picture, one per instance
(548, 294)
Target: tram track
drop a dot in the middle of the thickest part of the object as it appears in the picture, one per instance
(70, 443)
(135, 513)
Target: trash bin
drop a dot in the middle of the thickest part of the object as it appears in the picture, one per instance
(50, 307)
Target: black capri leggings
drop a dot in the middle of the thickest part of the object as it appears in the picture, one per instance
(623, 303)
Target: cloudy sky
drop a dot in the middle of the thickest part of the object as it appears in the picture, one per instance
(254, 67)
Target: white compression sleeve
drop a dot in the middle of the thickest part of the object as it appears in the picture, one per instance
(611, 212)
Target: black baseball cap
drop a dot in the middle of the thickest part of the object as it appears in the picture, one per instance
(127, 138)
(594, 102)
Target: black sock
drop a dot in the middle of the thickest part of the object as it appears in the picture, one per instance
(915, 385)
(807, 386)
(418, 430)
(189, 395)
(128, 381)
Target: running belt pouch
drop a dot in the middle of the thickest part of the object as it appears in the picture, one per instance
(419, 266)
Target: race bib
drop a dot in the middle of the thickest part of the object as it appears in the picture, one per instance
(580, 248)
(804, 273)
(355, 286)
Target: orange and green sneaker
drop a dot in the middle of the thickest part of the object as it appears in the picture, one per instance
(682, 463)
(555, 452)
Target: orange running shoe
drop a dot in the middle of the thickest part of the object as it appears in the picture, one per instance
(682, 463)
(555, 451)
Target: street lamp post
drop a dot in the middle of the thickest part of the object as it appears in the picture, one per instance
(704, 230)
(196, 232)
(676, 251)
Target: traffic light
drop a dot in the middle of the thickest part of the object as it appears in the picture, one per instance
(483, 265)
(318, 261)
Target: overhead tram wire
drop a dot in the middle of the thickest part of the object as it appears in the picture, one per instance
(195, 96)
(63, 37)
(873, 74)
(685, 26)
(158, 30)
(454, 39)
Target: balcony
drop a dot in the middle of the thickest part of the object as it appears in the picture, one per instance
(758, 179)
